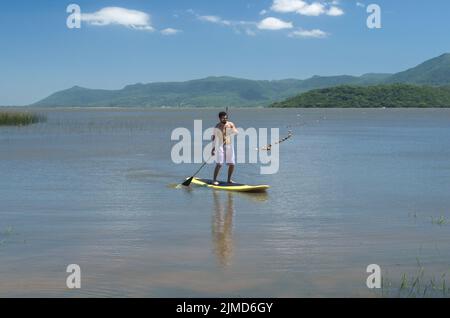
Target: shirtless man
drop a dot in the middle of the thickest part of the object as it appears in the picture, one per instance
(223, 132)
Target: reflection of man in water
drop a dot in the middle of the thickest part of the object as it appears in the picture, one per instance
(222, 229)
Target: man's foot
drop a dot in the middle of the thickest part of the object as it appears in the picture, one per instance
(215, 182)
(231, 181)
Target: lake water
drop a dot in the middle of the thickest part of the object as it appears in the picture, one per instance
(93, 187)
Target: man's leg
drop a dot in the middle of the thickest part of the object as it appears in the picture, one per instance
(230, 172)
(216, 171)
(230, 161)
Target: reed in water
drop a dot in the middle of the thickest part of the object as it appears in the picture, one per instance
(16, 118)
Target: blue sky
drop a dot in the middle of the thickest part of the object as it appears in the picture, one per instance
(174, 40)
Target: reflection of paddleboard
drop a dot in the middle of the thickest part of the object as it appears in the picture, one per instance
(230, 186)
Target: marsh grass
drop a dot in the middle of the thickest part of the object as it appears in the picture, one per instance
(442, 220)
(8, 231)
(416, 285)
(15, 118)
(10, 236)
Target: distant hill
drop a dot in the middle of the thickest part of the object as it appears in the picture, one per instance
(388, 95)
(235, 92)
(211, 91)
(207, 92)
(432, 72)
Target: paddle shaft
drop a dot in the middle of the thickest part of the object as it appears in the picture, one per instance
(204, 164)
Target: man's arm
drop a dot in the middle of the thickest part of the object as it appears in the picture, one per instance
(213, 138)
(234, 130)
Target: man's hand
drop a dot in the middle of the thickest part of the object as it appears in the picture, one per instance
(213, 151)
(231, 129)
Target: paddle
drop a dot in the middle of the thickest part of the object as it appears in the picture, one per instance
(187, 183)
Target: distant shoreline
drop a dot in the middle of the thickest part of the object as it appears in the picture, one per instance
(134, 108)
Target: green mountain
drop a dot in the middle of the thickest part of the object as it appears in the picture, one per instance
(388, 95)
(211, 91)
(434, 72)
(235, 92)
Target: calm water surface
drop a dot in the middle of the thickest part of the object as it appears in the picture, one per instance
(92, 187)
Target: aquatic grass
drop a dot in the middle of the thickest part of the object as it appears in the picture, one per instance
(15, 118)
(403, 286)
(10, 236)
(8, 231)
(442, 220)
(416, 282)
(416, 286)
(444, 286)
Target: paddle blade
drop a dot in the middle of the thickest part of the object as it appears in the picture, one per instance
(188, 182)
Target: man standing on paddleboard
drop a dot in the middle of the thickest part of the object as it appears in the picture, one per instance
(225, 154)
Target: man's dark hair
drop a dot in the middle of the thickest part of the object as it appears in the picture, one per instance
(222, 114)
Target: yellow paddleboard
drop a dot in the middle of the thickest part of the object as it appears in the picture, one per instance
(230, 186)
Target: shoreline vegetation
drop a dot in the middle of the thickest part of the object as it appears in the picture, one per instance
(378, 96)
(19, 118)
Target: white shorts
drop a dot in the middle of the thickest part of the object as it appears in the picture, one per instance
(225, 154)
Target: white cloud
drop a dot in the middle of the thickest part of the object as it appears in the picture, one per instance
(134, 19)
(251, 28)
(210, 18)
(239, 27)
(314, 9)
(170, 31)
(274, 24)
(263, 12)
(213, 19)
(360, 4)
(286, 6)
(306, 8)
(315, 33)
(335, 11)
